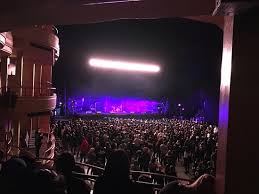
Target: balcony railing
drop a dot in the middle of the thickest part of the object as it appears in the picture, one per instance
(93, 177)
(7, 98)
(29, 91)
(55, 30)
(51, 40)
(47, 28)
(23, 99)
(37, 92)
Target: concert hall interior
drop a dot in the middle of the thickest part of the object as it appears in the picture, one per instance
(129, 96)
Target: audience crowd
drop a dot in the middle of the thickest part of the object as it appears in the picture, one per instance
(154, 145)
(118, 145)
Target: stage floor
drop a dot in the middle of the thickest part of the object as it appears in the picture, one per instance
(113, 115)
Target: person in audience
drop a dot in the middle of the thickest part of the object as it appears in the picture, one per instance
(144, 159)
(135, 167)
(38, 143)
(186, 161)
(92, 156)
(22, 175)
(46, 181)
(116, 176)
(1, 156)
(170, 170)
(163, 152)
(84, 149)
(65, 165)
(15, 177)
(153, 165)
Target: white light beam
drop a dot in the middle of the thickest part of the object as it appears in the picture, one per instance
(121, 65)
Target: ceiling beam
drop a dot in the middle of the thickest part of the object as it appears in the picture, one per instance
(64, 12)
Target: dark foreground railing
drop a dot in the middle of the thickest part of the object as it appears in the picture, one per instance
(153, 176)
(92, 177)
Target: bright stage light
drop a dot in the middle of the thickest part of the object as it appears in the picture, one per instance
(120, 65)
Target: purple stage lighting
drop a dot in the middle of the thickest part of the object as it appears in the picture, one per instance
(123, 65)
(112, 105)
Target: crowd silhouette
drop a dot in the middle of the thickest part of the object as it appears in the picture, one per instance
(119, 146)
(154, 145)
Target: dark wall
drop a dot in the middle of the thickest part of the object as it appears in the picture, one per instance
(189, 53)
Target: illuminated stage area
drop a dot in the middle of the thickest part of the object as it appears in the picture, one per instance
(113, 105)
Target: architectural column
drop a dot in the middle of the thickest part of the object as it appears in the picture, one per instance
(46, 78)
(2, 132)
(19, 71)
(33, 79)
(38, 122)
(238, 151)
(31, 126)
(28, 78)
(34, 123)
(4, 73)
(16, 135)
(25, 124)
(37, 79)
(44, 123)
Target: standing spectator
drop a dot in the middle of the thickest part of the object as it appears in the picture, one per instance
(84, 149)
(163, 151)
(65, 164)
(38, 138)
(186, 156)
(145, 159)
(116, 176)
(1, 158)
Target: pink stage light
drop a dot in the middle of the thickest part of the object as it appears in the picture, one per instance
(121, 65)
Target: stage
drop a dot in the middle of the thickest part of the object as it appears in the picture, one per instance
(100, 115)
(115, 106)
